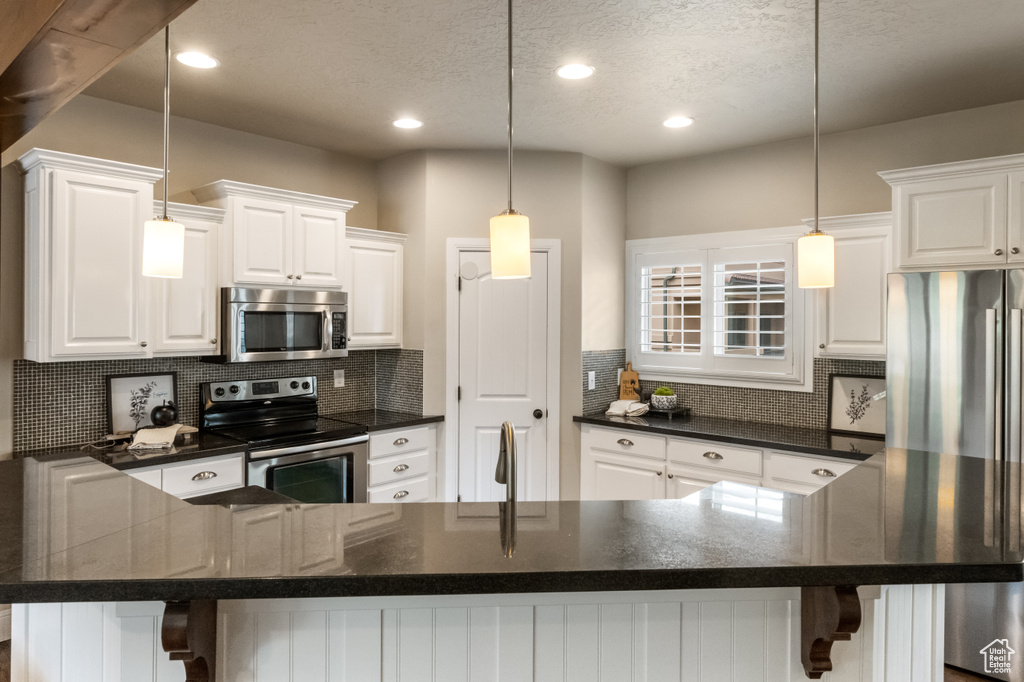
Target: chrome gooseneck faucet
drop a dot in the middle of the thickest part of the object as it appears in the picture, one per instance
(505, 472)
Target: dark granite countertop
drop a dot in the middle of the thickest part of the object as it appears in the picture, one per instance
(381, 420)
(195, 446)
(250, 494)
(897, 518)
(756, 434)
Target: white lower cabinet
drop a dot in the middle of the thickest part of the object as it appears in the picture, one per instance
(195, 477)
(624, 464)
(662, 636)
(402, 465)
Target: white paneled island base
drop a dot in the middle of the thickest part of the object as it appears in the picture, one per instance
(739, 635)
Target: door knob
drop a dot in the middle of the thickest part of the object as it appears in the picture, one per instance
(538, 413)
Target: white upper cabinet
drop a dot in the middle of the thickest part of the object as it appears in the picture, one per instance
(85, 296)
(183, 312)
(851, 315)
(274, 237)
(375, 291)
(958, 215)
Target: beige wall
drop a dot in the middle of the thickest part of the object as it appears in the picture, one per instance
(772, 185)
(202, 153)
(604, 255)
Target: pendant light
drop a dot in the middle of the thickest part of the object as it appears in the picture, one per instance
(163, 240)
(816, 251)
(510, 230)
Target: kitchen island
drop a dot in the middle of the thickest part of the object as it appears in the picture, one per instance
(709, 587)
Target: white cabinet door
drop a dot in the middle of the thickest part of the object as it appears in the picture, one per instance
(611, 477)
(375, 298)
(683, 481)
(1015, 219)
(97, 285)
(949, 222)
(262, 238)
(851, 315)
(319, 248)
(183, 312)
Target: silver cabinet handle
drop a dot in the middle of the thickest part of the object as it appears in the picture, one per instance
(658, 472)
(298, 276)
(1015, 250)
(213, 341)
(204, 476)
(291, 276)
(401, 441)
(671, 476)
(143, 344)
(625, 442)
(999, 252)
(401, 467)
(401, 493)
(712, 455)
(824, 472)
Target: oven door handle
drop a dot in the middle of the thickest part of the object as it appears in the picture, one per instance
(308, 448)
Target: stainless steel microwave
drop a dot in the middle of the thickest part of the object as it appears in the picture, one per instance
(282, 324)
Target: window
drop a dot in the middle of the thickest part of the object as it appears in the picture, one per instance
(719, 314)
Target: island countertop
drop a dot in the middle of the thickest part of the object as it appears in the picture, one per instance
(74, 529)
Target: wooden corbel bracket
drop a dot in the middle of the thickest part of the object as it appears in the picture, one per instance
(827, 615)
(189, 635)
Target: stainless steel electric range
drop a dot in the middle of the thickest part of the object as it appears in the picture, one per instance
(291, 450)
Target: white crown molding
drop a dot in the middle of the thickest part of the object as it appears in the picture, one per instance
(839, 222)
(229, 188)
(954, 169)
(47, 158)
(175, 209)
(376, 235)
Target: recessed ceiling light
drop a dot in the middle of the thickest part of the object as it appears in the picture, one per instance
(575, 71)
(407, 123)
(678, 122)
(197, 60)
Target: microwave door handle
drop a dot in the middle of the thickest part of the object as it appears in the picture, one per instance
(328, 328)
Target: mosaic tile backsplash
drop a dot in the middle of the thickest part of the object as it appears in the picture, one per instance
(64, 403)
(788, 408)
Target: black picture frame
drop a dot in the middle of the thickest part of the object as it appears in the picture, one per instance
(859, 444)
(119, 404)
(877, 407)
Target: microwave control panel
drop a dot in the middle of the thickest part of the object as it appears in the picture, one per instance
(338, 333)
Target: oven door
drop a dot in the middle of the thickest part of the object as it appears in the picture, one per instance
(285, 331)
(325, 473)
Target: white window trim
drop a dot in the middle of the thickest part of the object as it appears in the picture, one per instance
(801, 378)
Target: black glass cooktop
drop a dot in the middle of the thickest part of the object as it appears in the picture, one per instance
(292, 432)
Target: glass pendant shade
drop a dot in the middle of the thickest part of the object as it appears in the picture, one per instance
(163, 248)
(510, 246)
(816, 261)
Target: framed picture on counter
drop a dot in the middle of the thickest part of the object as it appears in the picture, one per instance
(132, 397)
(856, 405)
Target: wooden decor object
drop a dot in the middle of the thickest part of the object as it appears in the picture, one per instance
(629, 382)
(827, 615)
(189, 635)
(59, 48)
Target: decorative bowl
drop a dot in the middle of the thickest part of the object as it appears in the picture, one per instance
(663, 402)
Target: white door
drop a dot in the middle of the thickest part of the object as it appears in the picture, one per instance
(262, 232)
(319, 248)
(97, 261)
(183, 312)
(503, 376)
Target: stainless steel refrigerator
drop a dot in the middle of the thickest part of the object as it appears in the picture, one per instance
(954, 386)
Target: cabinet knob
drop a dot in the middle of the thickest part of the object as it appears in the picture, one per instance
(712, 455)
(213, 341)
(400, 468)
(143, 344)
(821, 345)
(824, 472)
(204, 476)
(1015, 250)
(291, 276)
(999, 252)
(671, 475)
(659, 473)
(401, 441)
(400, 494)
(624, 442)
(298, 276)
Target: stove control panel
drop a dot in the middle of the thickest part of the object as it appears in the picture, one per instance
(259, 389)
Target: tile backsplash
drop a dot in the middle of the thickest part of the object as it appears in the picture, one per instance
(64, 403)
(789, 408)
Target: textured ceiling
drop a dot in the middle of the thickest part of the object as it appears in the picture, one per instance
(333, 74)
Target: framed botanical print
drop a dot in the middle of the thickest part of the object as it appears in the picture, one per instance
(132, 397)
(856, 404)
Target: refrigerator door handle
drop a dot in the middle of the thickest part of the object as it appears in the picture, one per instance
(1013, 452)
(990, 382)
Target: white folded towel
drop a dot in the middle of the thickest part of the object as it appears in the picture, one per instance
(627, 408)
(154, 439)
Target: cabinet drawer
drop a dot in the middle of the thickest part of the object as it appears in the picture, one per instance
(716, 456)
(398, 468)
(626, 442)
(388, 443)
(153, 477)
(803, 469)
(194, 478)
(413, 490)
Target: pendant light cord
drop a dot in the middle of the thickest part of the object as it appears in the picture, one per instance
(816, 23)
(510, 106)
(167, 109)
